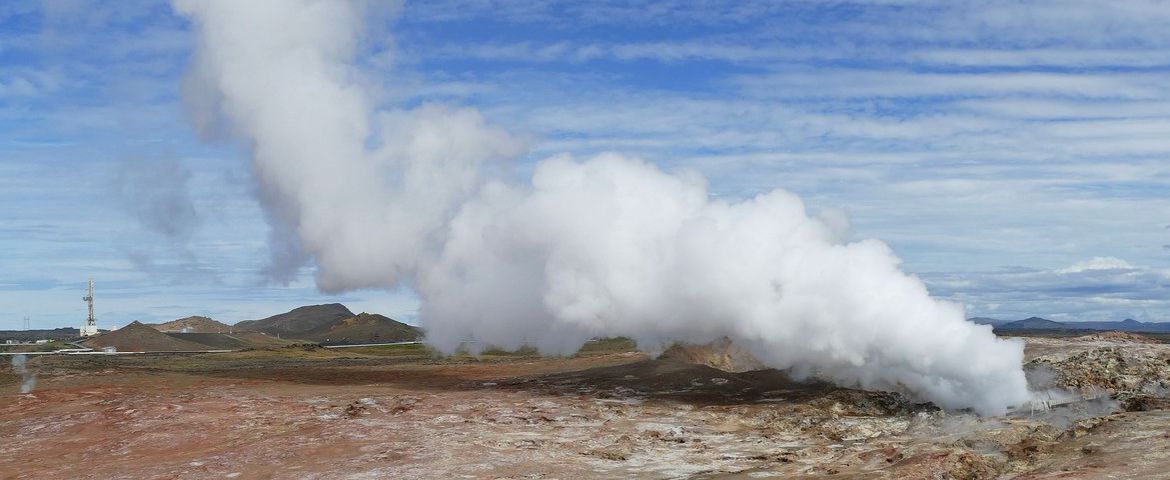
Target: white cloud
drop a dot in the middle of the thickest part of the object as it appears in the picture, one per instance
(1098, 263)
(1099, 288)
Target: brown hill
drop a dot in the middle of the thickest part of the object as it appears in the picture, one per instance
(363, 328)
(195, 324)
(295, 323)
(137, 337)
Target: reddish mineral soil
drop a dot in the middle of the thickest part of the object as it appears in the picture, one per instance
(367, 413)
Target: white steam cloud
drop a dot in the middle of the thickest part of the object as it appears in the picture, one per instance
(604, 246)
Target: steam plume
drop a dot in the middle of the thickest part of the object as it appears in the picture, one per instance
(603, 246)
(20, 367)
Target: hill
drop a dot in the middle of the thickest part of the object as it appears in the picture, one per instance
(1032, 323)
(363, 328)
(137, 337)
(195, 324)
(298, 321)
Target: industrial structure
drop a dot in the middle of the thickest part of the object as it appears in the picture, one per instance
(90, 327)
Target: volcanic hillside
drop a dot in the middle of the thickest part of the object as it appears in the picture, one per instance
(364, 327)
(137, 337)
(195, 324)
(333, 323)
(298, 321)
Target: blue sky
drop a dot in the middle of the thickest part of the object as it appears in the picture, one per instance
(1016, 155)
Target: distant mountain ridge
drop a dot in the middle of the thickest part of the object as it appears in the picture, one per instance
(1037, 323)
(1033, 323)
(1127, 325)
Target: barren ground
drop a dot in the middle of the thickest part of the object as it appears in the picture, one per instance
(398, 413)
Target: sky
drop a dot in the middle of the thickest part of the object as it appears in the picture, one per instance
(1015, 155)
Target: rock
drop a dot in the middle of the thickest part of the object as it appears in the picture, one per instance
(720, 354)
(1112, 369)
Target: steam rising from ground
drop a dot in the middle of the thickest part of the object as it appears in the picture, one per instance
(28, 379)
(603, 246)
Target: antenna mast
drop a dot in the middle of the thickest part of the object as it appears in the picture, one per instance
(90, 327)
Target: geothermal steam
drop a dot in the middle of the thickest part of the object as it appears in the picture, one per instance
(28, 379)
(603, 246)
